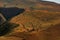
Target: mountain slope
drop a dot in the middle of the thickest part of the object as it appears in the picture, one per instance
(40, 21)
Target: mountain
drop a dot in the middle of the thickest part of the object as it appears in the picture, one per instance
(40, 21)
(31, 4)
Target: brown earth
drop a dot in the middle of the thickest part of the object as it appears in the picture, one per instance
(36, 24)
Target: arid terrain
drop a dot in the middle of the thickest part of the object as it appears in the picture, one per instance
(39, 21)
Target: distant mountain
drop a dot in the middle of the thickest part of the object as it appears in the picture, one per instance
(31, 4)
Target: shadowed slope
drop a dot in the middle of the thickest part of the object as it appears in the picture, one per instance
(11, 12)
(6, 28)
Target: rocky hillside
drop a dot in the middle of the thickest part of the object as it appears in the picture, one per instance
(40, 21)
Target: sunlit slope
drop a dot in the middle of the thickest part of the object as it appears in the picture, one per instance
(36, 19)
(45, 24)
